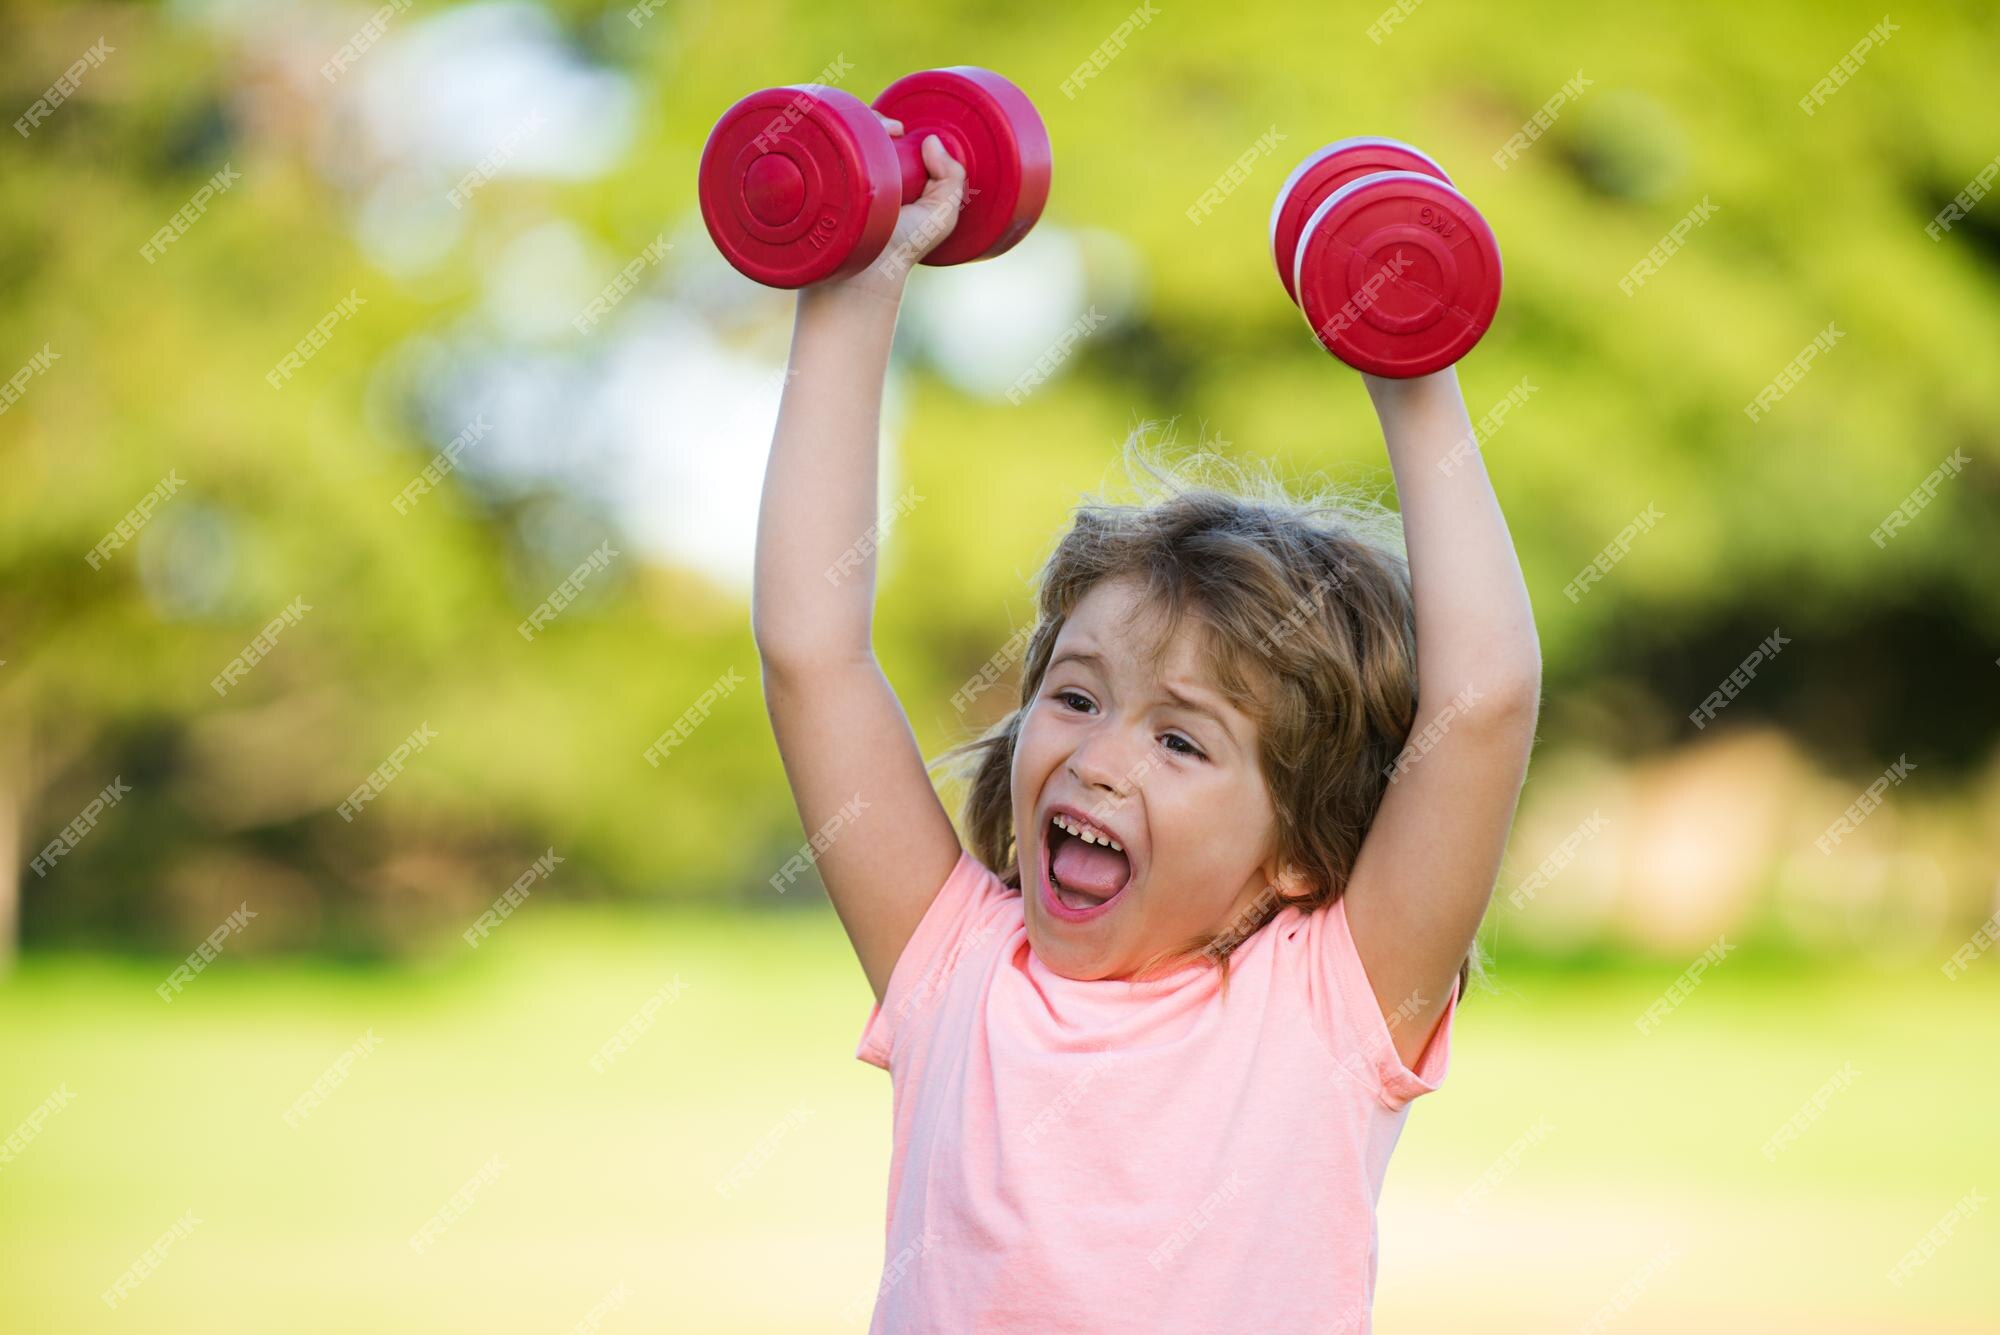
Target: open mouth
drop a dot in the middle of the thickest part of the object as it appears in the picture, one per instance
(1080, 880)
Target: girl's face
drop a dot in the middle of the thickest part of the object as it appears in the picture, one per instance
(1178, 787)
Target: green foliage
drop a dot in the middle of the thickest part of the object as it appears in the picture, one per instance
(1638, 400)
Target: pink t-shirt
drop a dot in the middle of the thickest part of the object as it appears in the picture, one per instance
(1106, 1156)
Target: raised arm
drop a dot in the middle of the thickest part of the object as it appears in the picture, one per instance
(1426, 870)
(885, 844)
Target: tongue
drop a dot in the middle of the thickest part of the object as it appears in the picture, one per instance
(1091, 868)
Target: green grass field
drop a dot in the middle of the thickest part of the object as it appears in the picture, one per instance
(1636, 1164)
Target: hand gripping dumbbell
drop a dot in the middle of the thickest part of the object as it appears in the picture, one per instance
(1396, 273)
(803, 183)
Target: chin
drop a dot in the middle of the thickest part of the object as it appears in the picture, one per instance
(1065, 956)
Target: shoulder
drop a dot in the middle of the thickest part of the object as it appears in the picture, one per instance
(973, 913)
(972, 906)
(1319, 949)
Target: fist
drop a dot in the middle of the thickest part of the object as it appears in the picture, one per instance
(922, 224)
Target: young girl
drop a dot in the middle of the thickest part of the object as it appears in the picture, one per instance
(1152, 1036)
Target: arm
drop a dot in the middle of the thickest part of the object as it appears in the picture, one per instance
(1426, 869)
(849, 754)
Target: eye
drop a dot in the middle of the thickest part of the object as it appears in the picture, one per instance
(1192, 752)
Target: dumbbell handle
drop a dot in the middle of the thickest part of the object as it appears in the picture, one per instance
(910, 157)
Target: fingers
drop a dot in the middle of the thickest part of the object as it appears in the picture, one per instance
(943, 196)
(940, 162)
(941, 165)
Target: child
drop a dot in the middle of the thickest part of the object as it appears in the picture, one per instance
(1254, 742)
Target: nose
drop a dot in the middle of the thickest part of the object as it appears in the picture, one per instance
(1098, 763)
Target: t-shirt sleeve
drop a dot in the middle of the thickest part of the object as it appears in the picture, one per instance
(948, 927)
(1351, 1022)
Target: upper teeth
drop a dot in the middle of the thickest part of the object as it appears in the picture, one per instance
(1085, 833)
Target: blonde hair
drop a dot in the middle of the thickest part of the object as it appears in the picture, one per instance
(1305, 605)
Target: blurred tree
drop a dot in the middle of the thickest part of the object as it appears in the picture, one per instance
(275, 494)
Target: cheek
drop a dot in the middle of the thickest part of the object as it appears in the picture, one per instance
(1032, 756)
(1199, 830)
(1027, 774)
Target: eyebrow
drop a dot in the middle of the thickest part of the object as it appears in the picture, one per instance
(1185, 702)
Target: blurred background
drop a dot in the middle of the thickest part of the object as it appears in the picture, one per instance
(338, 340)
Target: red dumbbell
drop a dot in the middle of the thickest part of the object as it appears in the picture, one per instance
(1395, 272)
(803, 183)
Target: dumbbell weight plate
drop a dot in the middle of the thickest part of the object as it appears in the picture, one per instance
(1397, 274)
(1324, 171)
(799, 184)
(991, 127)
